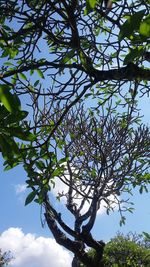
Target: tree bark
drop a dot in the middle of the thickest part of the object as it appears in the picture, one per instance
(75, 262)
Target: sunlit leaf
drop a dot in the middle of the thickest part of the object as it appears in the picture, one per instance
(145, 27)
(56, 172)
(9, 100)
(13, 52)
(90, 4)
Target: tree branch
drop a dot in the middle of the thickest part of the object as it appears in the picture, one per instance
(61, 239)
(130, 72)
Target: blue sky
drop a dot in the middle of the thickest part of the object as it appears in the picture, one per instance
(21, 229)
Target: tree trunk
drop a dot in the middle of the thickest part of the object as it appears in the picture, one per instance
(75, 262)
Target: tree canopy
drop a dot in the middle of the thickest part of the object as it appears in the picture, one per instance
(126, 251)
(71, 76)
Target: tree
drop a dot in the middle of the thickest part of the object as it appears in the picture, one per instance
(82, 51)
(5, 258)
(104, 156)
(126, 251)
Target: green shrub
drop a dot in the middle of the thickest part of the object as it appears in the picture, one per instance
(125, 251)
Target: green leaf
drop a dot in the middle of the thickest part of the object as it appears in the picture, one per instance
(14, 118)
(145, 27)
(63, 160)
(31, 183)
(40, 73)
(146, 235)
(22, 114)
(8, 146)
(20, 133)
(31, 88)
(31, 72)
(30, 197)
(87, 95)
(17, 103)
(39, 200)
(7, 63)
(23, 76)
(5, 53)
(93, 173)
(84, 60)
(10, 101)
(3, 113)
(13, 146)
(141, 189)
(52, 182)
(40, 165)
(133, 54)
(131, 24)
(14, 79)
(146, 176)
(26, 136)
(122, 221)
(6, 98)
(13, 52)
(90, 4)
(36, 83)
(69, 56)
(56, 172)
(9, 167)
(4, 145)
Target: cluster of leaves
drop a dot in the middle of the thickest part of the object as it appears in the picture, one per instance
(11, 126)
(42, 171)
(131, 250)
(135, 28)
(126, 251)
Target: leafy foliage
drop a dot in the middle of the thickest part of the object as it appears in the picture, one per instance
(126, 251)
(56, 55)
(11, 126)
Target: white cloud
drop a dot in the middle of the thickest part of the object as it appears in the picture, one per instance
(20, 188)
(29, 250)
